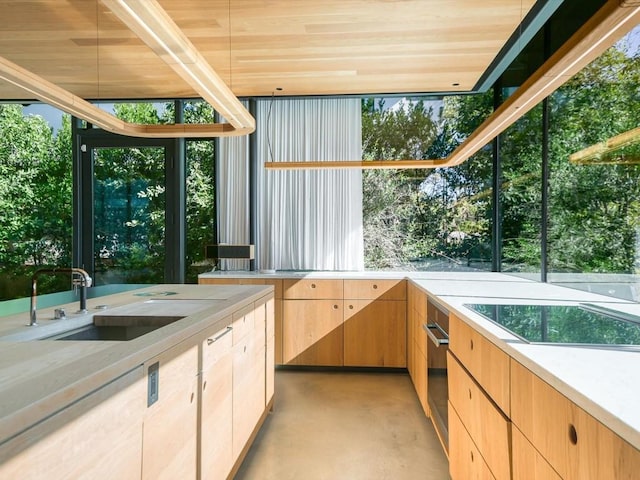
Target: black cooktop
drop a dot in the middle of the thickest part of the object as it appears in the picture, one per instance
(570, 324)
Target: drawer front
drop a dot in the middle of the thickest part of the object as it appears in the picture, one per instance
(487, 426)
(528, 464)
(216, 345)
(487, 363)
(465, 461)
(574, 443)
(313, 289)
(243, 323)
(375, 289)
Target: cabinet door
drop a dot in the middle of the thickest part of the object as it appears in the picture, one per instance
(574, 443)
(465, 461)
(170, 423)
(528, 464)
(248, 389)
(216, 452)
(100, 436)
(312, 332)
(375, 333)
(484, 422)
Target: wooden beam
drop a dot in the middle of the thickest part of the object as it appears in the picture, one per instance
(607, 26)
(153, 25)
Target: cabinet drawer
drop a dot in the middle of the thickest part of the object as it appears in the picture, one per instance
(312, 289)
(487, 363)
(243, 323)
(216, 345)
(375, 289)
(574, 443)
(487, 427)
(465, 461)
(528, 464)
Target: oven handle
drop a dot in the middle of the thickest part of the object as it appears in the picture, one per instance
(428, 327)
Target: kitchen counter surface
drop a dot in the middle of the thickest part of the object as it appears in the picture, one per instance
(603, 381)
(38, 377)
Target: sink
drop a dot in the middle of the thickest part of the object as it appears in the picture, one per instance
(115, 328)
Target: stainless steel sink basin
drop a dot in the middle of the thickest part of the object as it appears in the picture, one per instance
(115, 328)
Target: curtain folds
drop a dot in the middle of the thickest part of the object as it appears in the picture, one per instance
(308, 219)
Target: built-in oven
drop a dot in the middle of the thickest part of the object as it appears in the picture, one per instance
(437, 328)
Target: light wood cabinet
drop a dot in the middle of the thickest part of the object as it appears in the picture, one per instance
(270, 357)
(375, 323)
(575, 444)
(313, 332)
(528, 464)
(100, 436)
(216, 453)
(417, 343)
(485, 362)
(170, 422)
(487, 427)
(248, 379)
(308, 289)
(465, 461)
(375, 333)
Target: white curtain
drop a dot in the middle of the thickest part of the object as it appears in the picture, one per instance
(233, 196)
(309, 219)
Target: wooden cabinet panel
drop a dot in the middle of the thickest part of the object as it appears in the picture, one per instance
(375, 333)
(528, 464)
(312, 332)
(487, 363)
(170, 424)
(465, 461)
(243, 323)
(270, 351)
(574, 443)
(375, 289)
(486, 425)
(216, 455)
(100, 436)
(276, 282)
(248, 390)
(420, 379)
(306, 289)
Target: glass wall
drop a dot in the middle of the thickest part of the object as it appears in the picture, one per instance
(594, 207)
(426, 219)
(35, 198)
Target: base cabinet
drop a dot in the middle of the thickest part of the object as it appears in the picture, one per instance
(98, 437)
(216, 397)
(170, 424)
(465, 460)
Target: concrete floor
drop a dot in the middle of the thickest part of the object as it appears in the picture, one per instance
(345, 426)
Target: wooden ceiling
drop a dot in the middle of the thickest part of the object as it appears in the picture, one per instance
(305, 47)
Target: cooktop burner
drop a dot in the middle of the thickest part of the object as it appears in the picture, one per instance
(569, 324)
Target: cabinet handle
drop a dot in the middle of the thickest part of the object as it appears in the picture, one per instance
(204, 385)
(335, 307)
(471, 344)
(215, 339)
(375, 287)
(313, 285)
(444, 336)
(573, 434)
(350, 307)
(469, 394)
(471, 455)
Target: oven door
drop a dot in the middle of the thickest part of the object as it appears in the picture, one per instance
(437, 388)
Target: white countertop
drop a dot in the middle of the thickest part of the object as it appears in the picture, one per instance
(603, 381)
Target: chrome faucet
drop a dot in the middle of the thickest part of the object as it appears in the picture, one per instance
(84, 281)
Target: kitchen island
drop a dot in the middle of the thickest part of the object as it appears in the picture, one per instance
(138, 408)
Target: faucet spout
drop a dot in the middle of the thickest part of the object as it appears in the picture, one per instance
(83, 280)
